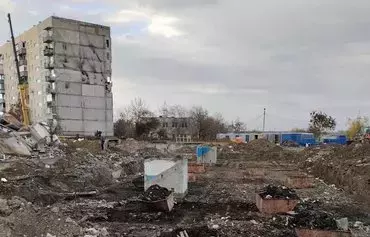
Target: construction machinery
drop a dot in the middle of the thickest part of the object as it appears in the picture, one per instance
(22, 83)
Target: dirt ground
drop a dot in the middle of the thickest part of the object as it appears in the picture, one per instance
(77, 190)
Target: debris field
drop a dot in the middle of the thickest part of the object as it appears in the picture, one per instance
(74, 189)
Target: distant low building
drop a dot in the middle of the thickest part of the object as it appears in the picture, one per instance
(175, 128)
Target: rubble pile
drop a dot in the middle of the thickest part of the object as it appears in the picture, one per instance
(72, 188)
(261, 145)
(150, 152)
(347, 167)
(156, 193)
(278, 192)
(132, 146)
(315, 219)
(255, 149)
(185, 150)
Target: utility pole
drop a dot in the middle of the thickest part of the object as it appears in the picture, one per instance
(264, 119)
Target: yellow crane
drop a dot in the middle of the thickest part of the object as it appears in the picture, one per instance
(22, 83)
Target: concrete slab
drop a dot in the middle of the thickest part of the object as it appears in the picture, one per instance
(169, 173)
(156, 167)
(206, 155)
(15, 146)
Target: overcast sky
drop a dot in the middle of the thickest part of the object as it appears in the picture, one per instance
(230, 56)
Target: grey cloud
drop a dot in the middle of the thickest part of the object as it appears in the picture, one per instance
(176, 4)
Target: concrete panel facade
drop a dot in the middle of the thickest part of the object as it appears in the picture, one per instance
(69, 100)
(73, 126)
(68, 75)
(93, 102)
(70, 88)
(93, 90)
(94, 115)
(69, 113)
(91, 127)
(73, 58)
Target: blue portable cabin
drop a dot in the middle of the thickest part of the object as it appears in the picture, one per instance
(300, 138)
(337, 139)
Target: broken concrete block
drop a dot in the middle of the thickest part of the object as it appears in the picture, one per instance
(300, 181)
(16, 146)
(271, 206)
(342, 224)
(168, 173)
(39, 132)
(206, 154)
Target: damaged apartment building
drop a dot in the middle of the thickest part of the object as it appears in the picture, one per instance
(67, 65)
(178, 129)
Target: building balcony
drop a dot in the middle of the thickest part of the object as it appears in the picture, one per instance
(22, 62)
(50, 90)
(48, 52)
(49, 65)
(2, 101)
(2, 91)
(52, 110)
(49, 78)
(1, 69)
(47, 39)
(23, 74)
(51, 103)
(21, 51)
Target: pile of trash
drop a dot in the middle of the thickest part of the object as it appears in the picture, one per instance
(156, 193)
(315, 219)
(278, 192)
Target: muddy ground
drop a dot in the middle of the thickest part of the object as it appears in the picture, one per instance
(77, 190)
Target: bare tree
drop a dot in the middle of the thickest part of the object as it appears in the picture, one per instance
(238, 126)
(137, 110)
(164, 110)
(136, 120)
(177, 111)
(198, 117)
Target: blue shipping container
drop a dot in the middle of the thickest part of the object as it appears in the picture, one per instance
(340, 140)
(300, 138)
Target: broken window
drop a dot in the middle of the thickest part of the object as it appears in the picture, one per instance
(107, 43)
(64, 46)
(108, 56)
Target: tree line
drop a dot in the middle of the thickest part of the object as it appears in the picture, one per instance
(138, 121)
